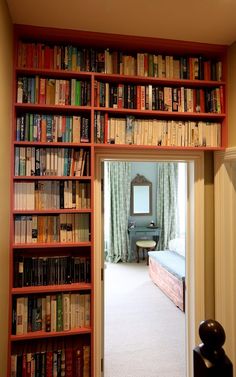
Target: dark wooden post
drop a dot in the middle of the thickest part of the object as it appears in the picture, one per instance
(209, 358)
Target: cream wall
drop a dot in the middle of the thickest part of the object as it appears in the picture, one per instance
(209, 234)
(5, 132)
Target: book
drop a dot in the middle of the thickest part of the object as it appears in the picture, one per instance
(20, 311)
(66, 302)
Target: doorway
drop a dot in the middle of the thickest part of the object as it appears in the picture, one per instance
(144, 330)
(194, 241)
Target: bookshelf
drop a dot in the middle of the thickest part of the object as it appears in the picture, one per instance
(75, 92)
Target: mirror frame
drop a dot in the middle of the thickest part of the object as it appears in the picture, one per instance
(140, 180)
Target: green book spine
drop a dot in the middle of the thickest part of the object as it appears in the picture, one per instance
(150, 65)
(59, 313)
(78, 93)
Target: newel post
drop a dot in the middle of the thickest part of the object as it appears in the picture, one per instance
(209, 358)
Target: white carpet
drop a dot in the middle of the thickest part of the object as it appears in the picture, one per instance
(144, 330)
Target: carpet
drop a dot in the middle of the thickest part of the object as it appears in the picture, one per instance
(144, 330)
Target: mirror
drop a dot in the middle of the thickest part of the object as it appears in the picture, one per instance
(141, 196)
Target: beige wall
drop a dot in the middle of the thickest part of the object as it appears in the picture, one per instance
(232, 95)
(5, 132)
(209, 234)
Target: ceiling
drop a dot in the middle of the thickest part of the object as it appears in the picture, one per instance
(210, 21)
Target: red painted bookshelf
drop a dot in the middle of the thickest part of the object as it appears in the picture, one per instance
(73, 93)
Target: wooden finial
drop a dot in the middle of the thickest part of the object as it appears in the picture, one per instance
(209, 357)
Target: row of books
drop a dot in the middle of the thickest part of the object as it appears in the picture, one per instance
(43, 195)
(54, 359)
(53, 128)
(150, 97)
(156, 132)
(56, 270)
(50, 91)
(75, 58)
(62, 228)
(50, 313)
(37, 161)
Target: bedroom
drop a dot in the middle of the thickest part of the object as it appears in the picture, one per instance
(166, 181)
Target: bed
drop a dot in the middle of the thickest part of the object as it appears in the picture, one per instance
(167, 271)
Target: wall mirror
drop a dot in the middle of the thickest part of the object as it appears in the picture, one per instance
(141, 196)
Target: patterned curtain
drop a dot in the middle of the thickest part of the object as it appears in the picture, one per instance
(117, 208)
(167, 207)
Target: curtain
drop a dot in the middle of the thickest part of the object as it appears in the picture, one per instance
(117, 208)
(167, 206)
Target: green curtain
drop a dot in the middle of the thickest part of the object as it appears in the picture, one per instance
(167, 206)
(117, 208)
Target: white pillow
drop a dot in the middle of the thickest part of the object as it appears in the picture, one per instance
(177, 245)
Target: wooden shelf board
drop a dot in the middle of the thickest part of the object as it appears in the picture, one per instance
(51, 144)
(51, 211)
(156, 147)
(51, 178)
(157, 80)
(52, 288)
(86, 76)
(49, 245)
(163, 114)
(51, 108)
(113, 77)
(43, 334)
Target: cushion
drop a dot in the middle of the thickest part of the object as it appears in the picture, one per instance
(177, 245)
(171, 261)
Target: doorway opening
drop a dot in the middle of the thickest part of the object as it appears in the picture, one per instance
(194, 241)
(144, 327)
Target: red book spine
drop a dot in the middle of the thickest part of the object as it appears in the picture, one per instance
(69, 361)
(47, 57)
(51, 58)
(67, 93)
(138, 105)
(24, 365)
(49, 366)
(78, 362)
(202, 101)
(190, 64)
(39, 53)
(29, 55)
(207, 71)
(194, 100)
(120, 101)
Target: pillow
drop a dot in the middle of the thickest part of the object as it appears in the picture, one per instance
(177, 245)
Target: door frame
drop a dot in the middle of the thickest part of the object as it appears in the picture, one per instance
(195, 279)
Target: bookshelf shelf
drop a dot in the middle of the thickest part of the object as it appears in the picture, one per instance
(76, 93)
(42, 334)
(119, 77)
(52, 288)
(50, 245)
(162, 114)
(53, 73)
(149, 147)
(51, 178)
(52, 108)
(157, 81)
(51, 211)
